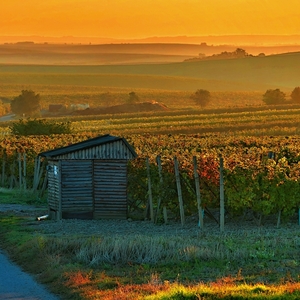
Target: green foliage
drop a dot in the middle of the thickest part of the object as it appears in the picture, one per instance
(201, 97)
(269, 190)
(40, 127)
(239, 190)
(274, 97)
(27, 103)
(21, 196)
(295, 95)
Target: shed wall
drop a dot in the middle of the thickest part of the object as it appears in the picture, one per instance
(110, 189)
(88, 186)
(77, 185)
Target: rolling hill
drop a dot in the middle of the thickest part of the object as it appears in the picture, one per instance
(249, 73)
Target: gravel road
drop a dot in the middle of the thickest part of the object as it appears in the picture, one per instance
(15, 284)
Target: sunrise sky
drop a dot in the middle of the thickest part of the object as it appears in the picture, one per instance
(145, 18)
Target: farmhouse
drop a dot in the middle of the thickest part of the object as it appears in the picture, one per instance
(89, 179)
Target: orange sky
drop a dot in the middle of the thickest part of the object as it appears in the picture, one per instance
(145, 18)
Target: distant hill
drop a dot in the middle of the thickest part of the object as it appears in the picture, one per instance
(249, 73)
(117, 54)
(257, 40)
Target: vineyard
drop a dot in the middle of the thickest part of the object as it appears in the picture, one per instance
(260, 173)
(259, 144)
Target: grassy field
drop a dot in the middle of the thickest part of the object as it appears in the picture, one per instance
(244, 264)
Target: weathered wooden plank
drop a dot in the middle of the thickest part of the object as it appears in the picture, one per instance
(115, 150)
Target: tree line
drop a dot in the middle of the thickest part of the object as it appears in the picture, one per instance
(28, 103)
(203, 97)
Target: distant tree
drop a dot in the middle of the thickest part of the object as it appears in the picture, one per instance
(274, 97)
(295, 95)
(133, 98)
(201, 97)
(27, 103)
(239, 52)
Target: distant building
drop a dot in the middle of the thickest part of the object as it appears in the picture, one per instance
(79, 106)
(55, 108)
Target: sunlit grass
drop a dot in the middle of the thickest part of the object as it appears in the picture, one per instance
(210, 266)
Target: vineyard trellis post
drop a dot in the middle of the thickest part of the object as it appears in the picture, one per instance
(20, 169)
(158, 161)
(222, 205)
(25, 170)
(150, 198)
(165, 213)
(179, 191)
(12, 168)
(37, 162)
(198, 194)
(3, 168)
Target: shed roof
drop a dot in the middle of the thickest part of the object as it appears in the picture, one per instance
(100, 140)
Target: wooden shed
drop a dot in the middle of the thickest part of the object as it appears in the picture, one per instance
(89, 179)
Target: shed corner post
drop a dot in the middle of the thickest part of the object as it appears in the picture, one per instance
(59, 213)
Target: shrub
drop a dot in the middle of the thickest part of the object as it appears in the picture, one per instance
(40, 127)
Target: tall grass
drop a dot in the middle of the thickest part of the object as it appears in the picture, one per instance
(245, 264)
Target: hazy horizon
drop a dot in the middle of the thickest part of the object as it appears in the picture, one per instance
(130, 19)
(257, 40)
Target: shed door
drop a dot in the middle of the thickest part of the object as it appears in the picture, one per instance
(53, 184)
(77, 186)
(110, 189)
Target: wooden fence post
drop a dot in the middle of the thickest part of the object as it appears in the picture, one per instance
(37, 161)
(222, 205)
(24, 171)
(177, 176)
(150, 199)
(158, 161)
(198, 194)
(3, 168)
(20, 169)
(165, 215)
(13, 180)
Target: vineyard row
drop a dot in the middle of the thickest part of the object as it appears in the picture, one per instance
(261, 176)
